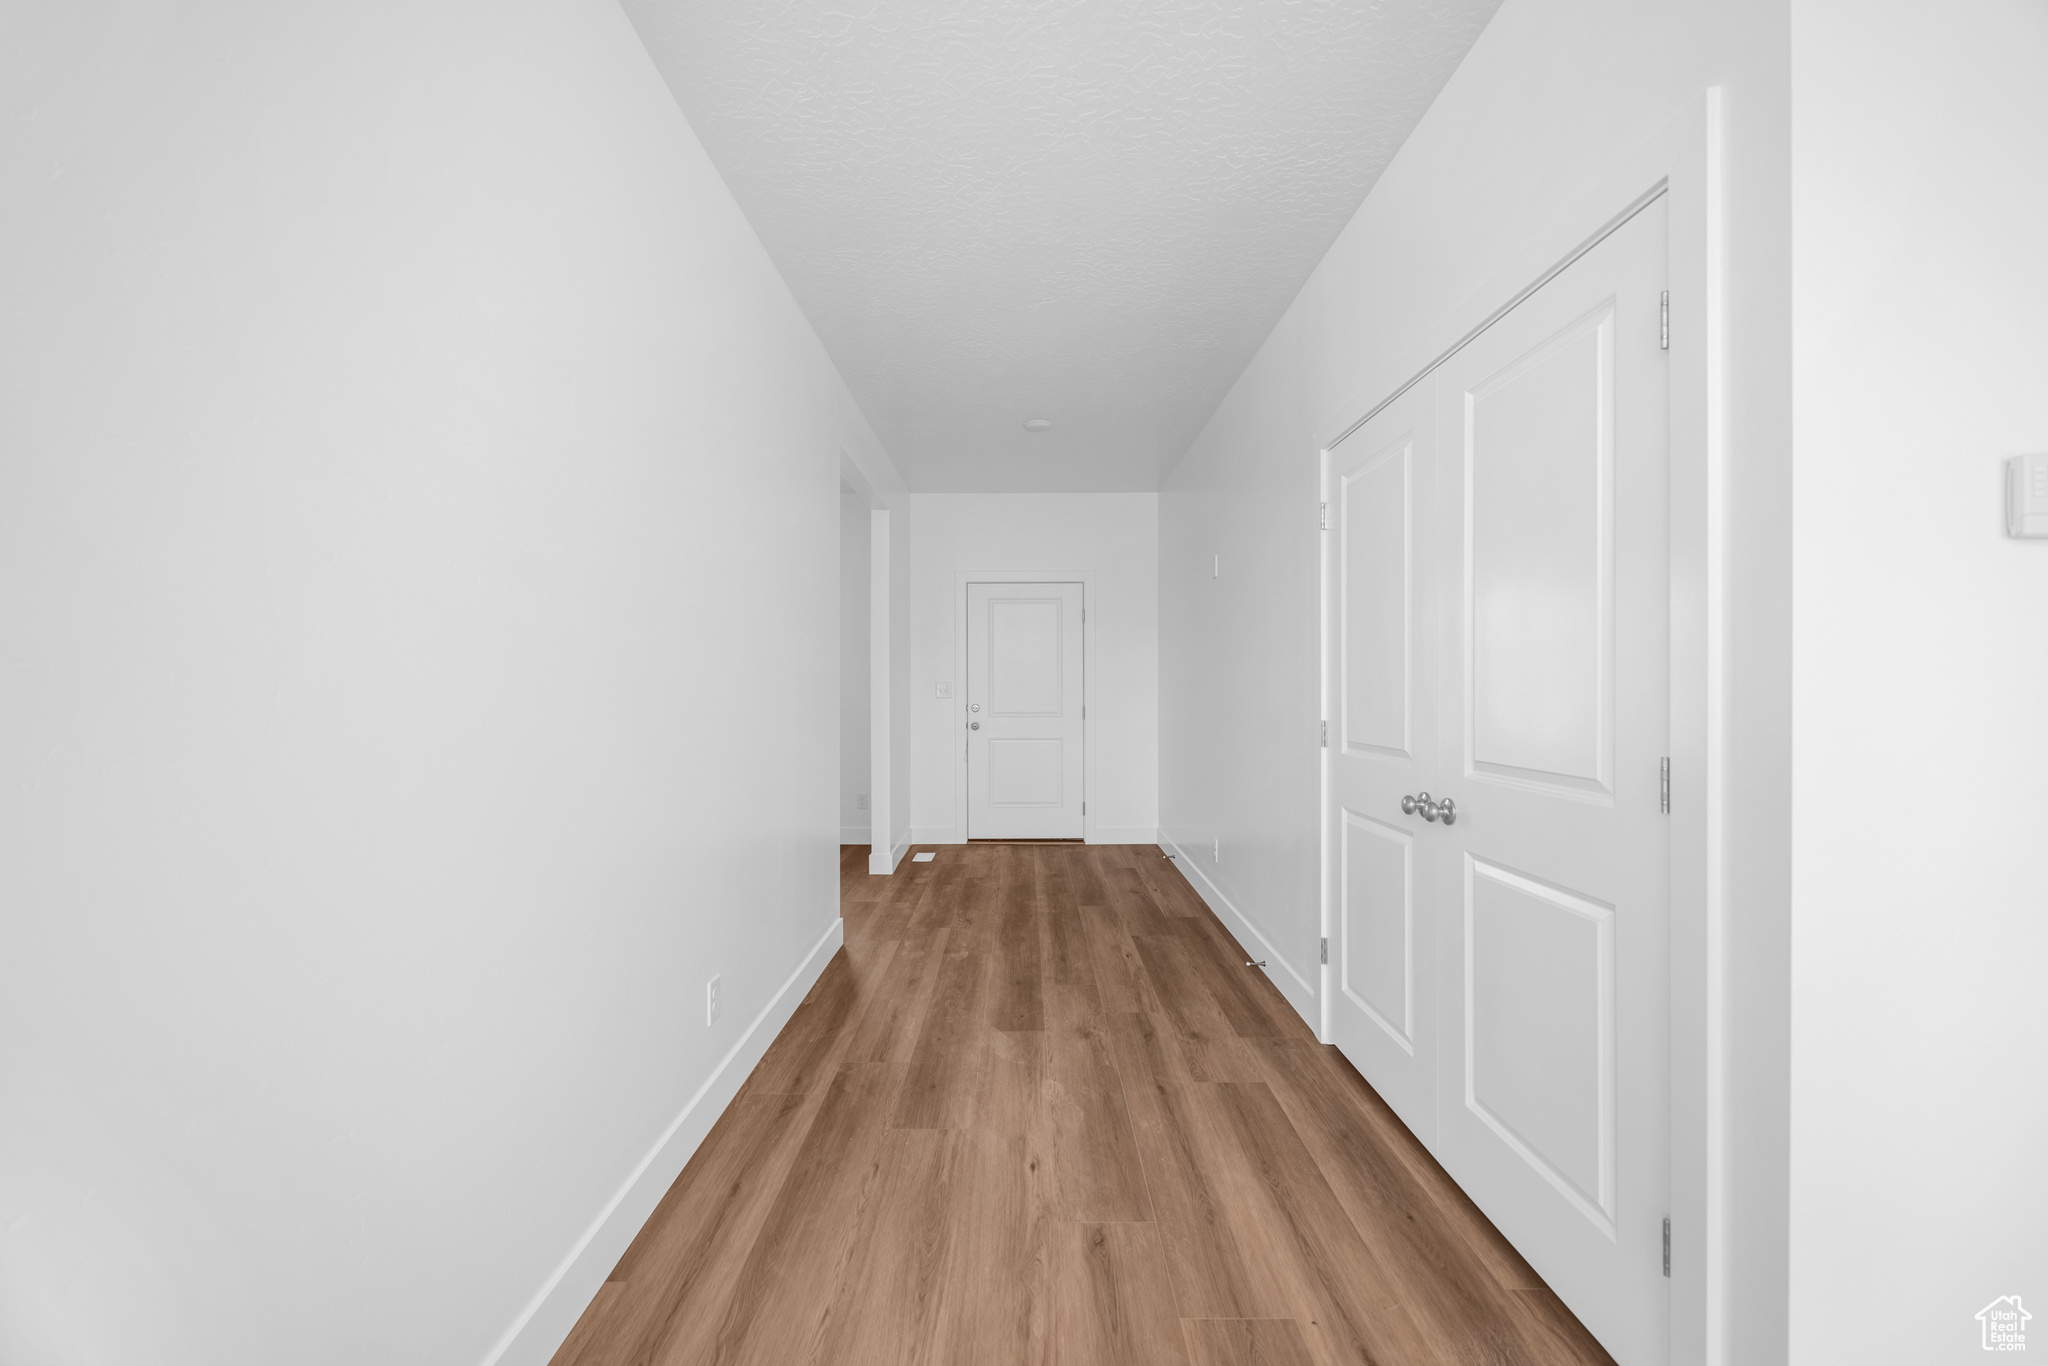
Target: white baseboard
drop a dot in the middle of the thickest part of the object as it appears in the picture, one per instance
(855, 834)
(882, 862)
(540, 1329)
(1299, 991)
(1101, 834)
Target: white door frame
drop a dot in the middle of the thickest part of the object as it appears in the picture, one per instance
(963, 577)
(1684, 162)
(887, 842)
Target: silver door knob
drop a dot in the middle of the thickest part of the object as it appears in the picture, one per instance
(1421, 804)
(974, 706)
(974, 725)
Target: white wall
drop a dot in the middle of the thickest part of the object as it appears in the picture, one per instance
(417, 588)
(1112, 536)
(1920, 787)
(1238, 698)
(854, 760)
(1549, 105)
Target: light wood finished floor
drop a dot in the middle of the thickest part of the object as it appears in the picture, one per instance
(1038, 1111)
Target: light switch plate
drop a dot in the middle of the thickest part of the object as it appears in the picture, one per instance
(2026, 496)
(942, 690)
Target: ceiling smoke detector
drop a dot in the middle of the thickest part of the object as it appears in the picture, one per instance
(1037, 424)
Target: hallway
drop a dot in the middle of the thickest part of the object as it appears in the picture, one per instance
(1038, 1110)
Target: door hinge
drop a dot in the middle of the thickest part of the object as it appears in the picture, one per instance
(1664, 321)
(1323, 516)
(1326, 948)
(1667, 1248)
(1664, 786)
(1084, 808)
(1325, 736)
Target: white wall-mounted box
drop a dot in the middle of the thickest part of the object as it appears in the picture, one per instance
(2026, 495)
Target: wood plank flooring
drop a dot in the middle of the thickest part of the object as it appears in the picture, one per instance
(1038, 1111)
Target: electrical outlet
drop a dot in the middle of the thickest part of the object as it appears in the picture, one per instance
(863, 800)
(711, 1001)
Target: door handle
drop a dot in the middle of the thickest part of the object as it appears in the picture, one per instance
(1421, 804)
(974, 725)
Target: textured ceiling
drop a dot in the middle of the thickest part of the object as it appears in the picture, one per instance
(1089, 212)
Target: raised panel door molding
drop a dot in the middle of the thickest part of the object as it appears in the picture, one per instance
(1376, 543)
(1376, 927)
(1539, 1029)
(1538, 444)
(1024, 658)
(1025, 772)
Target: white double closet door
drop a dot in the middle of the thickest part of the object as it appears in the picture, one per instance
(1498, 589)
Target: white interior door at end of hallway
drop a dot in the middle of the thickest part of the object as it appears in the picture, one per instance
(1382, 747)
(1022, 715)
(1551, 551)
